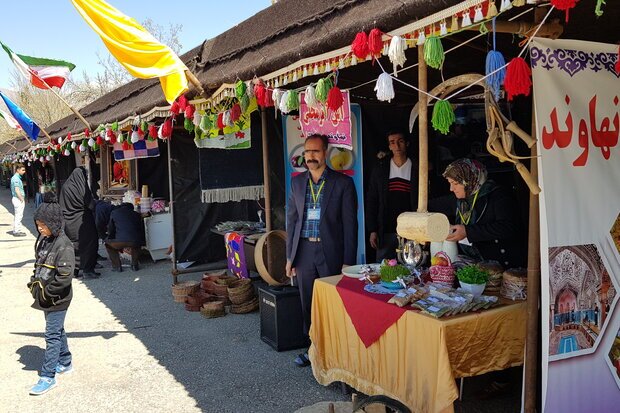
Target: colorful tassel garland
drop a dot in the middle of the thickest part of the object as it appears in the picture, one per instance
(292, 100)
(322, 89)
(87, 132)
(166, 129)
(564, 5)
(466, 19)
(59, 140)
(73, 145)
(384, 88)
(276, 96)
(66, 152)
(144, 126)
(249, 90)
(220, 120)
(492, 10)
(90, 142)
(121, 137)
(518, 80)
(310, 97)
(114, 126)
(518, 3)
(396, 52)
(478, 17)
(335, 99)
(175, 109)
(113, 138)
(443, 28)
(454, 27)
(505, 5)
(433, 52)
(443, 116)
(240, 89)
(359, 47)
(182, 103)
(261, 94)
(375, 43)
(135, 137)
(99, 140)
(235, 112)
(282, 105)
(152, 131)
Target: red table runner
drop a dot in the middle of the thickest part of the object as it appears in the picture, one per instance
(370, 313)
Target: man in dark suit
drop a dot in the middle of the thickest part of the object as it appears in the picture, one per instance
(321, 225)
(393, 190)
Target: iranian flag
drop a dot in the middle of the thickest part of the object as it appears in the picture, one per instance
(42, 73)
(10, 120)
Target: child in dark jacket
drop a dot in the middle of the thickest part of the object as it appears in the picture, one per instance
(50, 286)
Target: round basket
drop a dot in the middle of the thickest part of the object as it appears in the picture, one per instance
(212, 313)
(273, 270)
(242, 298)
(182, 289)
(190, 307)
(246, 307)
(240, 286)
(214, 305)
(442, 274)
(223, 298)
(225, 280)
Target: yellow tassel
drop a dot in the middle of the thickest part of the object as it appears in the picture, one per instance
(455, 23)
(492, 11)
(518, 3)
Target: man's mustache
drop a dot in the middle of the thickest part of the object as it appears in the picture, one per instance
(312, 161)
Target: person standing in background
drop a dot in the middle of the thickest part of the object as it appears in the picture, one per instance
(18, 199)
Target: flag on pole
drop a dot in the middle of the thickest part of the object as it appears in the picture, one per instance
(29, 127)
(10, 120)
(42, 73)
(134, 47)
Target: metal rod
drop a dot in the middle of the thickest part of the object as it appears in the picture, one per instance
(174, 271)
(422, 132)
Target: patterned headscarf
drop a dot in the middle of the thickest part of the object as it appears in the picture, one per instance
(468, 172)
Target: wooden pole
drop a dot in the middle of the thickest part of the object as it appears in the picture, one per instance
(422, 132)
(194, 81)
(171, 204)
(266, 169)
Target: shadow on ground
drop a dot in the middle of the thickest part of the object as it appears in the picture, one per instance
(30, 357)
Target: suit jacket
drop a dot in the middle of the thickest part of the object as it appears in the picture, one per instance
(376, 199)
(338, 223)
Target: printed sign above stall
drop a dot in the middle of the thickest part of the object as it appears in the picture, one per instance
(336, 124)
(577, 99)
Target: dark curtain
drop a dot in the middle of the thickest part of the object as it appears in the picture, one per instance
(154, 173)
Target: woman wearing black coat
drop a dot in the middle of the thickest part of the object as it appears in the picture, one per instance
(76, 201)
(483, 213)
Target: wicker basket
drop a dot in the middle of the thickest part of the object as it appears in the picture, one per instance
(213, 309)
(194, 308)
(212, 314)
(442, 274)
(246, 307)
(223, 298)
(243, 297)
(226, 280)
(182, 289)
(241, 291)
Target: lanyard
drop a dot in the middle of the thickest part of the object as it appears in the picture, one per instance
(315, 198)
(473, 204)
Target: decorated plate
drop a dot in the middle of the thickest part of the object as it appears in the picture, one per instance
(356, 271)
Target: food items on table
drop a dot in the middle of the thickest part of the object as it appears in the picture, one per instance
(413, 293)
(441, 270)
(390, 271)
(496, 272)
(514, 284)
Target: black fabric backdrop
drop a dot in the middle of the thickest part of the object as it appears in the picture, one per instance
(154, 173)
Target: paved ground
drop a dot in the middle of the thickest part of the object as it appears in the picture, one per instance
(135, 350)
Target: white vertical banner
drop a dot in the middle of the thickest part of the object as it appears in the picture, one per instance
(577, 104)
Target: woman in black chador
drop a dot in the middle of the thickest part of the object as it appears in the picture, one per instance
(76, 201)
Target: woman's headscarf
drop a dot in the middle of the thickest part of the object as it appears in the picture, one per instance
(468, 172)
(75, 195)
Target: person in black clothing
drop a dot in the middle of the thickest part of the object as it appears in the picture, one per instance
(485, 216)
(50, 286)
(124, 231)
(77, 204)
(392, 191)
(103, 209)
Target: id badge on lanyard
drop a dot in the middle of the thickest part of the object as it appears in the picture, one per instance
(314, 213)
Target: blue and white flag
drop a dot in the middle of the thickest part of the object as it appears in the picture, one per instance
(30, 128)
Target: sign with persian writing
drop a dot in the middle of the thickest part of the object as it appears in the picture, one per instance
(577, 100)
(336, 124)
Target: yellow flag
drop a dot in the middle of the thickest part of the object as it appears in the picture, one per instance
(135, 48)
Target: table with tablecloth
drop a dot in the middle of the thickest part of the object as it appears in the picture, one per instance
(411, 357)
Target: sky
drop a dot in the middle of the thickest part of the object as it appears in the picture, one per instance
(54, 29)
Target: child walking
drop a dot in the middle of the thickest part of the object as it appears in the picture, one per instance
(51, 289)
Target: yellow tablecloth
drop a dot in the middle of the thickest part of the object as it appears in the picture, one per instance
(418, 358)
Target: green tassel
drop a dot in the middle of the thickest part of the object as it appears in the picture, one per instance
(598, 10)
(114, 127)
(244, 102)
(240, 89)
(433, 52)
(443, 116)
(188, 125)
(293, 100)
(120, 138)
(197, 134)
(144, 126)
(322, 89)
(206, 123)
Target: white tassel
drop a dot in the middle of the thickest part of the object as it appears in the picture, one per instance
(340, 63)
(443, 28)
(396, 52)
(283, 103)
(102, 133)
(305, 72)
(73, 145)
(276, 96)
(41, 159)
(160, 135)
(506, 5)
(328, 66)
(353, 60)
(295, 76)
(466, 19)
(82, 148)
(60, 141)
(135, 137)
(285, 80)
(315, 71)
(91, 142)
(386, 49)
(478, 17)
(136, 121)
(421, 37)
(310, 97)
(276, 83)
(249, 89)
(197, 118)
(48, 158)
(66, 152)
(384, 88)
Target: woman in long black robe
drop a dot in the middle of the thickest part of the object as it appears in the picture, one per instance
(76, 201)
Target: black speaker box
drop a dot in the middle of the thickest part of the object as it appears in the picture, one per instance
(281, 321)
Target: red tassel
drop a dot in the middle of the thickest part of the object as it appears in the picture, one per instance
(182, 103)
(565, 5)
(263, 96)
(87, 133)
(220, 120)
(174, 108)
(152, 131)
(109, 133)
(375, 42)
(112, 138)
(334, 98)
(189, 112)
(235, 112)
(99, 140)
(618, 62)
(140, 133)
(68, 138)
(359, 47)
(518, 80)
(166, 130)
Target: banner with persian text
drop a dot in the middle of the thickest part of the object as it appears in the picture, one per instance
(336, 124)
(577, 100)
